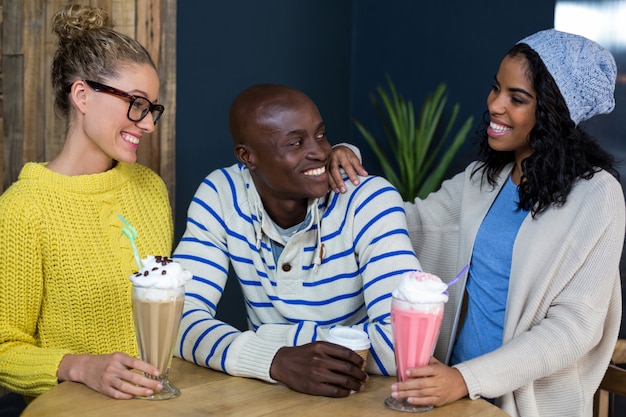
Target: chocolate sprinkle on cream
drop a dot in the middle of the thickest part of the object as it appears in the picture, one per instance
(163, 260)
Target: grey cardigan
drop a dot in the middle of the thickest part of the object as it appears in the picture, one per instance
(564, 303)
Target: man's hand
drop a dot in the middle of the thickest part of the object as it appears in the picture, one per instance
(343, 157)
(319, 368)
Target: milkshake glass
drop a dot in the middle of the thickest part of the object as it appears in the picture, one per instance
(157, 295)
(416, 313)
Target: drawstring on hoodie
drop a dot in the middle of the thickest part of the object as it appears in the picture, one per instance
(259, 237)
(319, 248)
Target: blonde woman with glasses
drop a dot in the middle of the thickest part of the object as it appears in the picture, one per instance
(65, 309)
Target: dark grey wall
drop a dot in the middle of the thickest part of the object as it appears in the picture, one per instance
(337, 51)
(227, 46)
(420, 44)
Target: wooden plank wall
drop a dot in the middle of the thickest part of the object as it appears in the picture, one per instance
(29, 127)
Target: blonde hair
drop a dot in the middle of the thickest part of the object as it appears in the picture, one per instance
(89, 49)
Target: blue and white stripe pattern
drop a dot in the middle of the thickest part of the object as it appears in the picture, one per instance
(339, 270)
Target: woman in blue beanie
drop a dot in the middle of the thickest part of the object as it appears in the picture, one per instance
(540, 219)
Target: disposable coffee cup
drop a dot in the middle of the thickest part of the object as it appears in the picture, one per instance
(354, 339)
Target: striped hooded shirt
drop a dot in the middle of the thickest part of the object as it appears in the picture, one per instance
(339, 269)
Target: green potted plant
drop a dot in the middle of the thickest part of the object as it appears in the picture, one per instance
(415, 147)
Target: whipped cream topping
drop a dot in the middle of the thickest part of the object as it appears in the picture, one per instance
(160, 272)
(421, 287)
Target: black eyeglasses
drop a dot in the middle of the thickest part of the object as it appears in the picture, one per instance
(139, 106)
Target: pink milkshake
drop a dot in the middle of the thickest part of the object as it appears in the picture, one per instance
(415, 332)
(416, 313)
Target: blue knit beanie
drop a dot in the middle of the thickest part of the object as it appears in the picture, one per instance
(584, 71)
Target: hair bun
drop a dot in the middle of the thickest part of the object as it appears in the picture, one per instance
(73, 20)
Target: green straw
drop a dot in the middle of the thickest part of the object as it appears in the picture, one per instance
(130, 232)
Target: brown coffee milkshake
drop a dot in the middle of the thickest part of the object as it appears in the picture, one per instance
(156, 325)
(157, 296)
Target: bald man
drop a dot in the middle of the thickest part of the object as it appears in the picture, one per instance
(307, 259)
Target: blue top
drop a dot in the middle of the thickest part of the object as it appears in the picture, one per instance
(488, 280)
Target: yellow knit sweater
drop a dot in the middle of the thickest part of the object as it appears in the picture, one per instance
(65, 263)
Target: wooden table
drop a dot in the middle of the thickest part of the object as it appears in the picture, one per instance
(205, 392)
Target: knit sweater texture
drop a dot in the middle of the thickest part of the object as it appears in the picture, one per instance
(563, 309)
(339, 270)
(65, 266)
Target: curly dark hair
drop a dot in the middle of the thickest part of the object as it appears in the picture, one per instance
(561, 151)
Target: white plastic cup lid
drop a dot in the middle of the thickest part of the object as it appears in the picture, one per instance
(354, 339)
